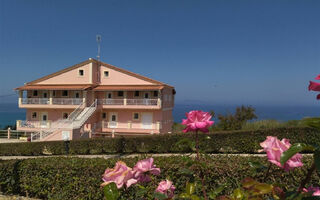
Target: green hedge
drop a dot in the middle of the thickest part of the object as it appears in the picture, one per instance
(226, 142)
(79, 178)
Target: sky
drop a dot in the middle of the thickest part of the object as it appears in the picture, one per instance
(217, 51)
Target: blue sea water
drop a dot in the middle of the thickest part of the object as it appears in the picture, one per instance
(9, 112)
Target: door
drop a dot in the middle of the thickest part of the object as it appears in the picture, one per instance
(146, 120)
(44, 120)
(77, 99)
(109, 100)
(113, 119)
(77, 95)
(146, 100)
(45, 99)
(45, 95)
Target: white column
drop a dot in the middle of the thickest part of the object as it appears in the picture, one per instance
(125, 98)
(20, 96)
(84, 97)
(159, 98)
(50, 97)
(158, 125)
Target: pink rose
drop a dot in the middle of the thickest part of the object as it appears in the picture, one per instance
(274, 149)
(121, 174)
(314, 86)
(166, 187)
(314, 190)
(143, 167)
(197, 120)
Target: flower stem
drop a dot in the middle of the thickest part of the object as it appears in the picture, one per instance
(267, 173)
(308, 177)
(201, 172)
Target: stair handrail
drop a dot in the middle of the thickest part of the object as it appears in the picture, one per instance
(93, 105)
(74, 113)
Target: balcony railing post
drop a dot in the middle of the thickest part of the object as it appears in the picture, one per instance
(50, 97)
(18, 123)
(84, 97)
(20, 96)
(158, 125)
(159, 102)
(125, 98)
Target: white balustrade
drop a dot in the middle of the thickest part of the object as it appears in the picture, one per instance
(67, 101)
(142, 102)
(35, 101)
(34, 124)
(55, 101)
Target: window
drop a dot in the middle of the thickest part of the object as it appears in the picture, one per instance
(136, 93)
(120, 93)
(54, 93)
(34, 115)
(146, 95)
(104, 115)
(136, 116)
(109, 95)
(65, 115)
(113, 118)
(45, 95)
(155, 93)
(65, 93)
(77, 95)
(106, 73)
(35, 93)
(81, 72)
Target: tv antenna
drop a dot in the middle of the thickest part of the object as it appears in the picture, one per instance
(98, 39)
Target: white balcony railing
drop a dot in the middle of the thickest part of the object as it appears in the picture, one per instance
(129, 125)
(33, 124)
(67, 101)
(55, 101)
(142, 102)
(111, 101)
(145, 102)
(35, 101)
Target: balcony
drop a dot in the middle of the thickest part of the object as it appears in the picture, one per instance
(128, 127)
(25, 125)
(130, 103)
(49, 102)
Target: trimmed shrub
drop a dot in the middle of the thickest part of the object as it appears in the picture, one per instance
(79, 178)
(223, 142)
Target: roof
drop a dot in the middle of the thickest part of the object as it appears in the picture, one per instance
(34, 84)
(54, 87)
(128, 87)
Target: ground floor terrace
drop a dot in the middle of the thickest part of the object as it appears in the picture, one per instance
(102, 121)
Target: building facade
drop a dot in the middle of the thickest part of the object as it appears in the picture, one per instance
(93, 99)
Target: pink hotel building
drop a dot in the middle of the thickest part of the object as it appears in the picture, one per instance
(93, 99)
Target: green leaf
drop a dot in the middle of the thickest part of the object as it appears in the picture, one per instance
(238, 194)
(190, 188)
(313, 122)
(316, 157)
(263, 188)
(160, 196)
(184, 196)
(111, 191)
(295, 148)
(195, 197)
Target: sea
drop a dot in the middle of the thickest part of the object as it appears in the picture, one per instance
(9, 112)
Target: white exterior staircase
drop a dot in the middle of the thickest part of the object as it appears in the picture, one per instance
(75, 121)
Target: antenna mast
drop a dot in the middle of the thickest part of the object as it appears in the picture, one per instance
(98, 38)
